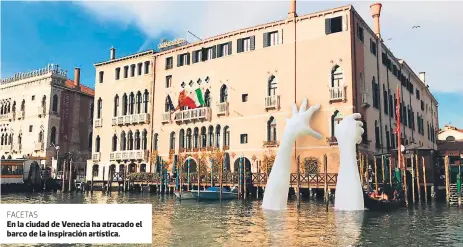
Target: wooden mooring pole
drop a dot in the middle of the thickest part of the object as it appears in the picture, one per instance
(298, 195)
(424, 181)
(376, 174)
(199, 177)
(91, 182)
(390, 172)
(70, 175)
(325, 164)
(221, 178)
(405, 180)
(413, 179)
(382, 170)
(418, 177)
(447, 179)
(258, 179)
(63, 189)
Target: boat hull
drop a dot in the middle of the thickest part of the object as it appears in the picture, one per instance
(214, 195)
(184, 195)
(381, 205)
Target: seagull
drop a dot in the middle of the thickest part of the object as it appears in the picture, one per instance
(416, 27)
(389, 39)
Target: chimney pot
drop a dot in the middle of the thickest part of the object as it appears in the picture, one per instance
(376, 13)
(112, 54)
(77, 77)
(292, 9)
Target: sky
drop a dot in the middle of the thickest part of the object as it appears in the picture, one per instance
(79, 34)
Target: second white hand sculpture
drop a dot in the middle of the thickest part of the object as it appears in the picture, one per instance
(276, 191)
(349, 193)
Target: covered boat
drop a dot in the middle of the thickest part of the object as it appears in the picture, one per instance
(213, 193)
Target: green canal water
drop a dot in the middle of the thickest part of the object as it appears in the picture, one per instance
(238, 223)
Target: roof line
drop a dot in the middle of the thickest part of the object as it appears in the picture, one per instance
(138, 54)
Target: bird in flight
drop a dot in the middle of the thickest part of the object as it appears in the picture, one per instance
(414, 27)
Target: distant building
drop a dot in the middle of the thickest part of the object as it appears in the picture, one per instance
(43, 109)
(242, 84)
(450, 144)
(450, 133)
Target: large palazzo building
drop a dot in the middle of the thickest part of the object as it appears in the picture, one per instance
(241, 86)
(45, 115)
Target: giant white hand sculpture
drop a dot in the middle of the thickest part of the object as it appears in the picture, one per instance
(276, 191)
(349, 193)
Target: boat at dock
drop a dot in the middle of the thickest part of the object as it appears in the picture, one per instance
(184, 195)
(213, 194)
(381, 205)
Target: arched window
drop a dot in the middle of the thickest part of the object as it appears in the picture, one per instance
(388, 137)
(116, 105)
(23, 104)
(377, 140)
(123, 141)
(3, 138)
(272, 130)
(226, 136)
(90, 140)
(41, 136)
(188, 138)
(362, 82)
(203, 137)
(114, 147)
(130, 140)
(124, 104)
(54, 105)
(53, 135)
(91, 110)
(336, 76)
(10, 141)
(44, 104)
(97, 148)
(335, 119)
(131, 103)
(172, 140)
(450, 138)
(167, 104)
(223, 93)
(155, 141)
(207, 98)
(146, 98)
(272, 86)
(14, 106)
(195, 138)
(138, 102)
(137, 140)
(217, 136)
(181, 138)
(211, 136)
(144, 139)
(100, 106)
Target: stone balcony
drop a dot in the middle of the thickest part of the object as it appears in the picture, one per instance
(131, 119)
(7, 117)
(165, 117)
(272, 102)
(222, 108)
(365, 100)
(203, 113)
(21, 115)
(337, 93)
(98, 123)
(271, 144)
(129, 155)
(96, 156)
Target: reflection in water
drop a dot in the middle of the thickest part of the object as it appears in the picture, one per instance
(237, 223)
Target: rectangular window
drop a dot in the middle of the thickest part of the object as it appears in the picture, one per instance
(33, 97)
(224, 49)
(132, 70)
(333, 25)
(101, 76)
(385, 104)
(147, 67)
(30, 128)
(245, 44)
(210, 54)
(271, 38)
(168, 81)
(418, 96)
(244, 97)
(196, 56)
(422, 105)
(372, 47)
(360, 33)
(126, 71)
(139, 67)
(169, 62)
(244, 138)
(118, 73)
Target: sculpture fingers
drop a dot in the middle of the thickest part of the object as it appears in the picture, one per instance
(359, 123)
(361, 131)
(311, 110)
(354, 116)
(303, 105)
(313, 133)
(294, 109)
(359, 140)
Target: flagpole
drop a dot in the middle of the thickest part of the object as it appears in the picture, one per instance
(399, 139)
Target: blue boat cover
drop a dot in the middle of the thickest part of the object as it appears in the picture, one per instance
(217, 189)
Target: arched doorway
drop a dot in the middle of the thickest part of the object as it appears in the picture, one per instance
(95, 170)
(132, 168)
(193, 166)
(245, 162)
(112, 168)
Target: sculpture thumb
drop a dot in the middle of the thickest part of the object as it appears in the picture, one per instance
(313, 133)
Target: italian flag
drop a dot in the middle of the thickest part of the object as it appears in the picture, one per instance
(193, 100)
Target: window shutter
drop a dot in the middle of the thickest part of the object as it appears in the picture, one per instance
(214, 52)
(195, 57)
(179, 60)
(253, 43)
(203, 54)
(327, 26)
(239, 47)
(266, 39)
(188, 58)
(229, 48)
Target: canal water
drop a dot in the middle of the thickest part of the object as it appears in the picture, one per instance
(238, 223)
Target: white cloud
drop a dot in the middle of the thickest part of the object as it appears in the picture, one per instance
(434, 47)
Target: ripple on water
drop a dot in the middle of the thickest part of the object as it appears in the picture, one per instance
(237, 223)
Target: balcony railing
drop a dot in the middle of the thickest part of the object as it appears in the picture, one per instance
(337, 93)
(165, 117)
(96, 156)
(272, 102)
(21, 114)
(98, 122)
(114, 121)
(8, 116)
(38, 146)
(129, 155)
(365, 99)
(332, 141)
(222, 108)
(127, 119)
(271, 144)
(130, 119)
(193, 114)
(120, 120)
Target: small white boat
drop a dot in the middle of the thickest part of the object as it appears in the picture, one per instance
(184, 195)
(213, 193)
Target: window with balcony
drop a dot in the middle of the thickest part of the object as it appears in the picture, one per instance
(217, 136)
(271, 39)
(246, 44)
(335, 120)
(137, 140)
(131, 103)
(116, 105)
(54, 105)
(224, 49)
(97, 144)
(181, 138)
(126, 71)
(188, 138)
(53, 135)
(223, 94)
(147, 67)
(114, 146)
(333, 25)
(169, 62)
(118, 73)
(124, 104)
(132, 70)
(211, 136)
(203, 137)
(196, 138)
(226, 136)
(130, 140)
(123, 141)
(207, 98)
(138, 103)
(272, 130)
(146, 99)
(100, 108)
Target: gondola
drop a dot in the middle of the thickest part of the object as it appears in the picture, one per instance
(379, 205)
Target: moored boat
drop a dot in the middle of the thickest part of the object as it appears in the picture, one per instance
(184, 195)
(381, 205)
(213, 193)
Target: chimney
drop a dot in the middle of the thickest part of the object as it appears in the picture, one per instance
(77, 77)
(112, 54)
(375, 13)
(292, 9)
(423, 77)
